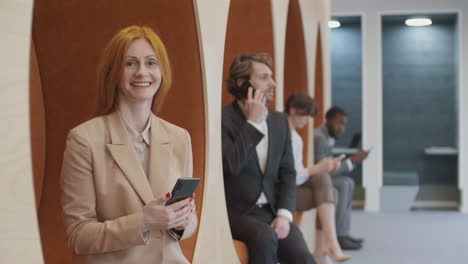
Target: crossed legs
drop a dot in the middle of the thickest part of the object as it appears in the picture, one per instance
(318, 192)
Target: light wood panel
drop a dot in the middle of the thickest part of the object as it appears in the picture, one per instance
(214, 242)
(296, 79)
(279, 9)
(19, 235)
(315, 15)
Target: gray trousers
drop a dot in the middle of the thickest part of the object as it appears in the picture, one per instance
(344, 205)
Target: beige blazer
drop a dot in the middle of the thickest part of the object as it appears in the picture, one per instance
(104, 189)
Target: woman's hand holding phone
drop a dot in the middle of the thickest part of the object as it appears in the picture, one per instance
(156, 215)
(328, 165)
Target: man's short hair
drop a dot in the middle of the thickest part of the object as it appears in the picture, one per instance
(335, 111)
(241, 68)
(303, 103)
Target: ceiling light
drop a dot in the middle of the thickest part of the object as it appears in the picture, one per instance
(334, 24)
(418, 21)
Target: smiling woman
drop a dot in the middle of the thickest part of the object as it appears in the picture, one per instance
(145, 57)
(67, 56)
(113, 193)
(141, 76)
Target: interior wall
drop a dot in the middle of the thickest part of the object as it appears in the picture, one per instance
(295, 68)
(319, 91)
(315, 15)
(214, 242)
(19, 234)
(419, 86)
(346, 61)
(280, 10)
(372, 83)
(38, 137)
(67, 56)
(249, 30)
(67, 103)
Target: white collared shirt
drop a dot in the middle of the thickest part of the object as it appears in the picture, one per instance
(141, 143)
(262, 153)
(302, 174)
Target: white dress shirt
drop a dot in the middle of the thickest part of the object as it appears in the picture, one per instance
(302, 174)
(141, 144)
(262, 153)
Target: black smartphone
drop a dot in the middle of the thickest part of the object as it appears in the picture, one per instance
(183, 189)
(244, 88)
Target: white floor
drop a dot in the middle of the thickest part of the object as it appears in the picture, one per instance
(399, 236)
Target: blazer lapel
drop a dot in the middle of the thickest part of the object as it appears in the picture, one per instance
(271, 136)
(240, 122)
(123, 152)
(160, 157)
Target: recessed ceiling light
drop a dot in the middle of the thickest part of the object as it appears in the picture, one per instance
(334, 24)
(418, 21)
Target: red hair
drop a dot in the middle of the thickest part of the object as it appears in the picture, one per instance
(112, 62)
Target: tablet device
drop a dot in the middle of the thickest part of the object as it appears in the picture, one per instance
(183, 189)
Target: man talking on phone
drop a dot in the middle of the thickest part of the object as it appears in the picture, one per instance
(324, 141)
(258, 166)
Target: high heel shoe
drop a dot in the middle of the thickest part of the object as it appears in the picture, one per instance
(341, 258)
(338, 258)
(319, 257)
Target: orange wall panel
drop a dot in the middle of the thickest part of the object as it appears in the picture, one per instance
(69, 38)
(249, 30)
(319, 93)
(295, 64)
(37, 121)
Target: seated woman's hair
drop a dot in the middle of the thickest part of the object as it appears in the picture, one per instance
(241, 68)
(112, 62)
(303, 103)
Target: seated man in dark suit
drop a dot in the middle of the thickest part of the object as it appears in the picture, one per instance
(324, 141)
(259, 175)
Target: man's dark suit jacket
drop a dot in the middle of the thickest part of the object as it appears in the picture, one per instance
(243, 178)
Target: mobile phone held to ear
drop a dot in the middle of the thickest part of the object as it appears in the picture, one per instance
(183, 189)
(244, 88)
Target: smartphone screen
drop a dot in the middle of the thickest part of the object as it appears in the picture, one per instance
(183, 189)
(341, 157)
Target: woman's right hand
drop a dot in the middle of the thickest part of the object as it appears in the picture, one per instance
(158, 216)
(328, 165)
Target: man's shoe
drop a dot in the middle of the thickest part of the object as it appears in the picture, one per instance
(355, 239)
(348, 244)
